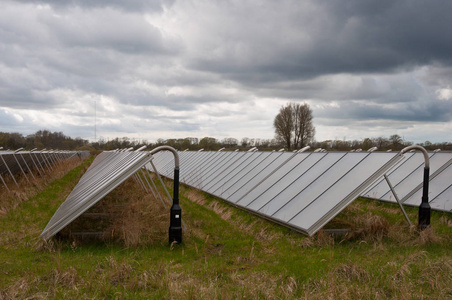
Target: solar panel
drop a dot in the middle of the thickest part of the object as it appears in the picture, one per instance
(27, 163)
(107, 171)
(407, 178)
(299, 190)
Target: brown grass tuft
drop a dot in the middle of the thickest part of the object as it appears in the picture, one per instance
(320, 239)
(445, 220)
(352, 272)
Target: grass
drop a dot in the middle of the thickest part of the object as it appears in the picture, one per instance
(226, 253)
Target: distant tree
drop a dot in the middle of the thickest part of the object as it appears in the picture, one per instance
(396, 141)
(283, 125)
(293, 125)
(304, 130)
(229, 142)
(366, 144)
(381, 143)
(245, 142)
(209, 143)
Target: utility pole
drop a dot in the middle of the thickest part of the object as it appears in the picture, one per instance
(95, 121)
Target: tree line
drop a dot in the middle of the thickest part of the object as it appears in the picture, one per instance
(57, 140)
(40, 139)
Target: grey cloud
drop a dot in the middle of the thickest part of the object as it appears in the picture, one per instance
(435, 111)
(130, 5)
(378, 60)
(356, 37)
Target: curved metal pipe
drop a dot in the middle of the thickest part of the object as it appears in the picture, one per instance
(304, 149)
(168, 148)
(424, 208)
(422, 149)
(175, 229)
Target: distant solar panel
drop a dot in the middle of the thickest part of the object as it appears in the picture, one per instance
(25, 163)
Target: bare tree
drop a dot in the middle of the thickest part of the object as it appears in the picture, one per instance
(293, 125)
(283, 124)
(304, 130)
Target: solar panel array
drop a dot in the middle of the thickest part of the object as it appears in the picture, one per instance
(107, 171)
(302, 191)
(407, 177)
(26, 163)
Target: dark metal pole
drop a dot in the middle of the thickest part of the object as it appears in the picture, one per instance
(175, 229)
(424, 208)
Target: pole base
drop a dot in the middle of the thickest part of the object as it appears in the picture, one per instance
(175, 235)
(424, 215)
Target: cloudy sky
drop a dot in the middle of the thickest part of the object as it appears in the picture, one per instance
(174, 69)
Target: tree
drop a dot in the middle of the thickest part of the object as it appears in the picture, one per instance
(209, 143)
(293, 125)
(245, 142)
(396, 141)
(304, 130)
(229, 142)
(283, 124)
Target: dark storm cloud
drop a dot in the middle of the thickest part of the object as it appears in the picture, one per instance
(437, 111)
(334, 37)
(184, 66)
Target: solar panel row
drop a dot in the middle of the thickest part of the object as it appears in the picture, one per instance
(107, 171)
(25, 163)
(300, 190)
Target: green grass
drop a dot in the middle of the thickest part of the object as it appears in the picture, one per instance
(227, 254)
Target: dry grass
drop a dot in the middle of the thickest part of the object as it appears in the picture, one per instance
(24, 189)
(129, 215)
(257, 228)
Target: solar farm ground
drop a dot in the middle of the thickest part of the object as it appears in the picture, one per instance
(226, 254)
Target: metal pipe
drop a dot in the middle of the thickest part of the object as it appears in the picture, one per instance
(38, 160)
(10, 173)
(36, 166)
(304, 149)
(397, 198)
(4, 183)
(175, 229)
(20, 167)
(164, 187)
(150, 181)
(424, 208)
(25, 162)
(44, 160)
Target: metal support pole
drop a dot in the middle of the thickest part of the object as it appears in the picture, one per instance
(175, 229)
(44, 160)
(25, 162)
(4, 183)
(424, 208)
(10, 173)
(20, 167)
(34, 163)
(149, 182)
(38, 160)
(397, 198)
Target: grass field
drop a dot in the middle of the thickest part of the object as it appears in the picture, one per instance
(226, 254)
